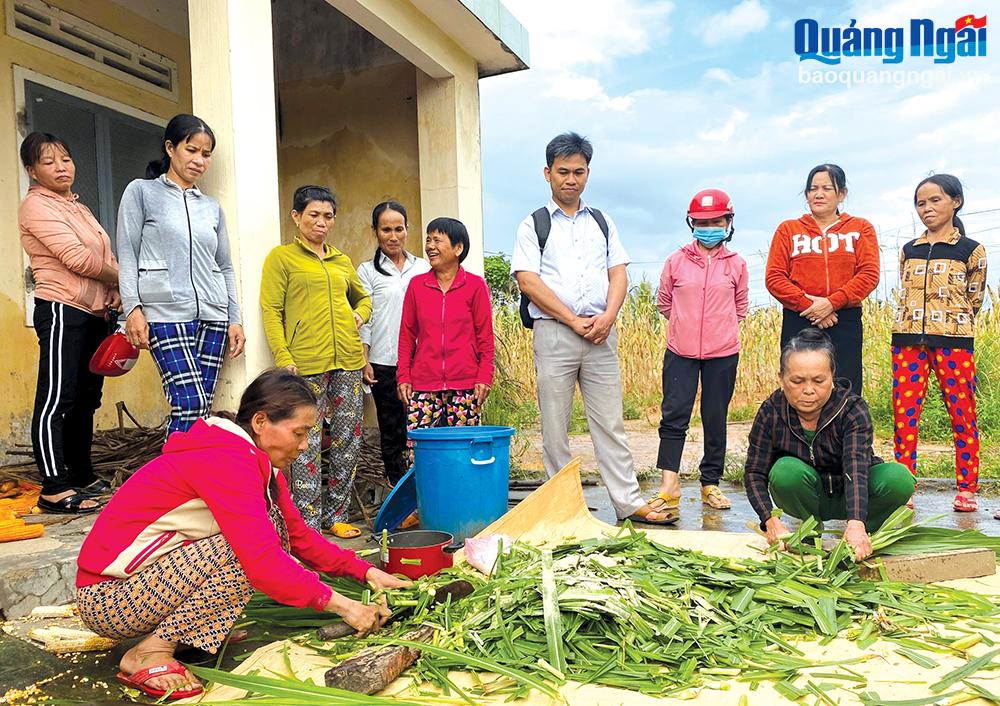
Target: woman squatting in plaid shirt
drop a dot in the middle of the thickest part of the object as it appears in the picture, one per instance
(811, 450)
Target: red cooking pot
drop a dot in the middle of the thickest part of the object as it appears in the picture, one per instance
(417, 553)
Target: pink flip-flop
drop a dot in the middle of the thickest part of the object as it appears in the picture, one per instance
(963, 503)
(137, 680)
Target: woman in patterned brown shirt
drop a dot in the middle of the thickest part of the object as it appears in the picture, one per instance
(942, 283)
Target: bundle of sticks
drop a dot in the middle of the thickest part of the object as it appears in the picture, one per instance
(116, 453)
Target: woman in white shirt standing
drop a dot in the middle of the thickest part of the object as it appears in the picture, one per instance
(386, 277)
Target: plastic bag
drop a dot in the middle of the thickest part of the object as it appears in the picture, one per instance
(482, 552)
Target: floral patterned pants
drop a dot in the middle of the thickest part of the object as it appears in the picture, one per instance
(193, 595)
(323, 495)
(443, 408)
(955, 370)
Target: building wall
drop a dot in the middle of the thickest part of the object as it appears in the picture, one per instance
(357, 134)
(347, 119)
(447, 108)
(141, 388)
(347, 116)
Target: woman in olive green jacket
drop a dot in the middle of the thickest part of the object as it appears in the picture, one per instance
(313, 304)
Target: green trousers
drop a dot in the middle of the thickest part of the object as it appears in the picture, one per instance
(797, 489)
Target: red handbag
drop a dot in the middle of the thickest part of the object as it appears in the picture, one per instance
(115, 356)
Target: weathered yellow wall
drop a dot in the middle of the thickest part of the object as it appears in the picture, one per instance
(140, 389)
(360, 139)
(448, 112)
(356, 133)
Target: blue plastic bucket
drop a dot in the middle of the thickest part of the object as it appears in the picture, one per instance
(462, 475)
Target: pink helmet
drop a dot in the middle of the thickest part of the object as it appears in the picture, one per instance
(115, 356)
(710, 203)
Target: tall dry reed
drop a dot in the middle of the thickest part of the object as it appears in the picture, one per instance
(642, 339)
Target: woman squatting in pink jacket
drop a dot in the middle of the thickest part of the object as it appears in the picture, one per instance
(703, 295)
(178, 551)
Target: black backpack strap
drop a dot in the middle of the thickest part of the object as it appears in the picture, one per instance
(542, 220)
(543, 226)
(602, 222)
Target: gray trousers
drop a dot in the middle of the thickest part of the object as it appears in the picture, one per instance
(562, 359)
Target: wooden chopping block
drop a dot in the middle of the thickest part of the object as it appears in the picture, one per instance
(929, 568)
(372, 671)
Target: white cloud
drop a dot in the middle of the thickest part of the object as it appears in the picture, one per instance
(565, 35)
(721, 75)
(746, 18)
(571, 87)
(812, 113)
(967, 134)
(725, 132)
(941, 100)
(898, 12)
(573, 44)
(749, 127)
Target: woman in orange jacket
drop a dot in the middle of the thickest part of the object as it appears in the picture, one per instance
(822, 266)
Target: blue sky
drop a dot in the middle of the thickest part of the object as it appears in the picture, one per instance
(679, 96)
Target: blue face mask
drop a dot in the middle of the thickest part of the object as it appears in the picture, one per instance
(710, 237)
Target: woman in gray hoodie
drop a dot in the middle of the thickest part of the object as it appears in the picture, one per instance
(176, 277)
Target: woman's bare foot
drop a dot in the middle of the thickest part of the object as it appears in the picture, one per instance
(670, 483)
(965, 501)
(154, 652)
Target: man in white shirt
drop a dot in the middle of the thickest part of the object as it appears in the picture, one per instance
(576, 286)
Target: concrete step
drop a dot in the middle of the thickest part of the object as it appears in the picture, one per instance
(42, 571)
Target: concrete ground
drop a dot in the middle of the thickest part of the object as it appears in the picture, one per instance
(934, 496)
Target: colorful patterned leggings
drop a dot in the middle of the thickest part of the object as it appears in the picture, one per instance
(955, 370)
(443, 408)
(193, 595)
(324, 501)
(189, 357)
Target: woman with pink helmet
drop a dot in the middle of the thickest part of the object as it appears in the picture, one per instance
(703, 295)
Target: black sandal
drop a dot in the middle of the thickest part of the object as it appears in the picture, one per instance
(70, 505)
(97, 488)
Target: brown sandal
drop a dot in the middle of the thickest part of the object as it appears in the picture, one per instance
(661, 503)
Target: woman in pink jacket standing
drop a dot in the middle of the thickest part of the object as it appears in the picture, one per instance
(703, 294)
(445, 366)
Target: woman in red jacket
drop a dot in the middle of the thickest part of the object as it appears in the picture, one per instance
(445, 366)
(177, 552)
(822, 266)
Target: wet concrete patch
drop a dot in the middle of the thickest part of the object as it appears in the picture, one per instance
(24, 664)
(933, 499)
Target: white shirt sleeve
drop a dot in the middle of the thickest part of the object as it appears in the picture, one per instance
(365, 272)
(616, 251)
(527, 256)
